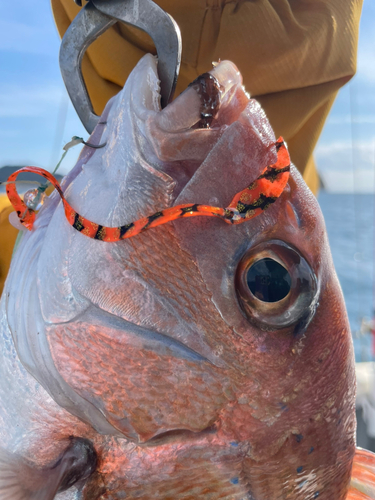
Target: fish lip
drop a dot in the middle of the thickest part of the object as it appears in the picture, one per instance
(182, 135)
(209, 90)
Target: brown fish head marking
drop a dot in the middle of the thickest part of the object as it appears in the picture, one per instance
(197, 387)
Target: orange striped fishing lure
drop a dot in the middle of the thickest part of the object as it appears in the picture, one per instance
(246, 205)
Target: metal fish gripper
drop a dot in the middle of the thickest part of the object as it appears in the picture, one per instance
(93, 20)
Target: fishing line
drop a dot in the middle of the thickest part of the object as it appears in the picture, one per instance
(60, 127)
(59, 133)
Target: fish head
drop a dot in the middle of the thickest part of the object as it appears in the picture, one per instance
(291, 345)
(212, 360)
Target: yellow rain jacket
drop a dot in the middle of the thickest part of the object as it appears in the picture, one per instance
(294, 55)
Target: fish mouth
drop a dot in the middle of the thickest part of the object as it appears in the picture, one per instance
(204, 102)
(184, 132)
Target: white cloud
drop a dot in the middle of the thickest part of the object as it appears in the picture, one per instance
(344, 153)
(23, 101)
(358, 119)
(346, 167)
(358, 181)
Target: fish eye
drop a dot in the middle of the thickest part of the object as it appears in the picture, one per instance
(276, 286)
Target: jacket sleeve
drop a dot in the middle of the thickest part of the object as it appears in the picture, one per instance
(294, 55)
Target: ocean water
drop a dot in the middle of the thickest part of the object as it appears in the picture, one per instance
(350, 225)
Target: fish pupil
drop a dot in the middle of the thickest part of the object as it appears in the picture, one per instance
(268, 280)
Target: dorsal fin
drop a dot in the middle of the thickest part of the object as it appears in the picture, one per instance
(362, 485)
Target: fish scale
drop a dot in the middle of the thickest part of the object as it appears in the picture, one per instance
(124, 389)
(176, 268)
(187, 468)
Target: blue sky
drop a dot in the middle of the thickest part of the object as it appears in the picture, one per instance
(348, 139)
(37, 119)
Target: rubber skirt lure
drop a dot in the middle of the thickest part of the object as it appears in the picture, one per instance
(246, 205)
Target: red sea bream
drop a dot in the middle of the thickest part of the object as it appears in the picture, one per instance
(195, 360)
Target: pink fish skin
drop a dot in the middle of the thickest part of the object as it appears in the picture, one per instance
(154, 349)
